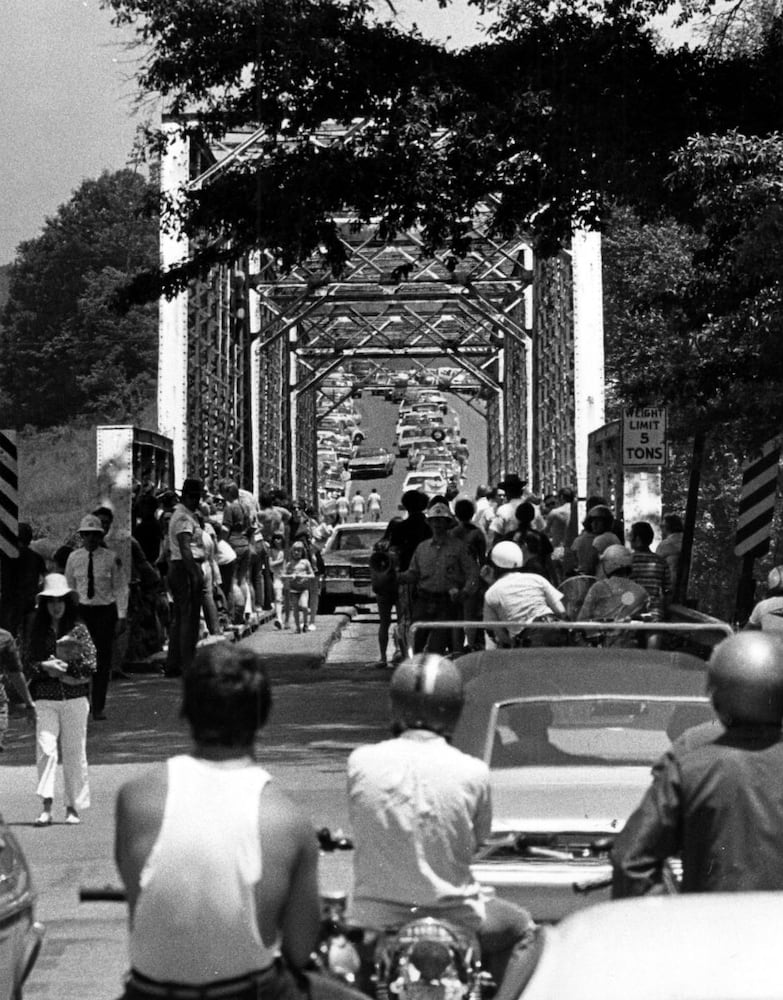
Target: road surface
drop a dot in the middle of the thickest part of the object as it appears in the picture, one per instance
(313, 727)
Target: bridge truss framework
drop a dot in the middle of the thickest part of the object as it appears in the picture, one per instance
(243, 353)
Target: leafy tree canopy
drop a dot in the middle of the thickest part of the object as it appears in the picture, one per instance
(63, 349)
(564, 109)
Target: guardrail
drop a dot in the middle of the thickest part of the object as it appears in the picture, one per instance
(714, 628)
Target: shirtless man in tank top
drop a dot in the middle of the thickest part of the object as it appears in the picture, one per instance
(220, 868)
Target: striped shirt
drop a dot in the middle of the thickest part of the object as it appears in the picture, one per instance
(651, 571)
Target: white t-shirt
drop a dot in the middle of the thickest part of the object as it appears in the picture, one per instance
(519, 597)
(505, 519)
(419, 808)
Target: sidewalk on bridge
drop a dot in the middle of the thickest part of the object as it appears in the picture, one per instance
(284, 652)
(290, 656)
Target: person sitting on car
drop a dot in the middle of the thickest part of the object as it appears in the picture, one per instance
(715, 797)
(517, 597)
(419, 809)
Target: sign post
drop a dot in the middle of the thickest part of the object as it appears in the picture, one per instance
(643, 450)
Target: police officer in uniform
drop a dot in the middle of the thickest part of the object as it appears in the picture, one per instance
(717, 797)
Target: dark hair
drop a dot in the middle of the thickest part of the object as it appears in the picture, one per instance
(525, 514)
(673, 522)
(532, 542)
(60, 557)
(567, 494)
(24, 533)
(226, 695)
(464, 509)
(643, 531)
(414, 501)
(42, 623)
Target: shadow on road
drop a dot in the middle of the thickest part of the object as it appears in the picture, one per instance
(143, 724)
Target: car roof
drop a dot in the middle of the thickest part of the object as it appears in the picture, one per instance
(692, 947)
(498, 675)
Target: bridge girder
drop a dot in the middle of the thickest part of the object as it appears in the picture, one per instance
(529, 330)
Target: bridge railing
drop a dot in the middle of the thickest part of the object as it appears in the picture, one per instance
(702, 634)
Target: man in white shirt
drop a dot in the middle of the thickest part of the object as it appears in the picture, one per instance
(505, 522)
(94, 572)
(517, 596)
(419, 809)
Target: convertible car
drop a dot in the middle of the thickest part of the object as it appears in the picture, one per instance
(20, 934)
(570, 735)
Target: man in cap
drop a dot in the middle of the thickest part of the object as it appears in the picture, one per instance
(185, 578)
(517, 597)
(444, 575)
(95, 573)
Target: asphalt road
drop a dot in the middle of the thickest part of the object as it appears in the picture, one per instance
(379, 418)
(314, 725)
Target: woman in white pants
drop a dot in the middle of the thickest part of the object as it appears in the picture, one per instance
(59, 660)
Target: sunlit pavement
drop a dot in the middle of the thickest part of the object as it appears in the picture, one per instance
(313, 727)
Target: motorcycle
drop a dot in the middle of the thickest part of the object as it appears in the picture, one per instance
(427, 958)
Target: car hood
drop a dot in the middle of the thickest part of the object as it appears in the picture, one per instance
(589, 799)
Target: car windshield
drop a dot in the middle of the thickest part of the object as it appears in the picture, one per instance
(356, 538)
(365, 452)
(590, 731)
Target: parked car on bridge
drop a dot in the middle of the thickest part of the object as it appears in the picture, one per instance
(369, 462)
(569, 735)
(432, 483)
(691, 947)
(20, 934)
(346, 557)
(431, 454)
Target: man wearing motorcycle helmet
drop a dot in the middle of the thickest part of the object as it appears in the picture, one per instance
(716, 795)
(419, 809)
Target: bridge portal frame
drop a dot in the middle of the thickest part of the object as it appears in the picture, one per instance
(530, 330)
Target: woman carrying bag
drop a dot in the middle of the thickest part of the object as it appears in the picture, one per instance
(59, 660)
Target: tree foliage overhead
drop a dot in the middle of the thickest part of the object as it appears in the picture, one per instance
(565, 108)
(64, 350)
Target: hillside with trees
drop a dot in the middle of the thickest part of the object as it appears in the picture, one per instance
(65, 350)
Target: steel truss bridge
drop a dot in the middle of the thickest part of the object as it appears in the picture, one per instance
(242, 354)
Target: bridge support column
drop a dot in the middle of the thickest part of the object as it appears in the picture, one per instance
(173, 313)
(588, 319)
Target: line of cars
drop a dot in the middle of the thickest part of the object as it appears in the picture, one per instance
(426, 439)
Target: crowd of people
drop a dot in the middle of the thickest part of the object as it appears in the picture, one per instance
(200, 563)
(509, 556)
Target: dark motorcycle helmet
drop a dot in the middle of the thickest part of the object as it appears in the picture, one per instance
(426, 693)
(745, 679)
